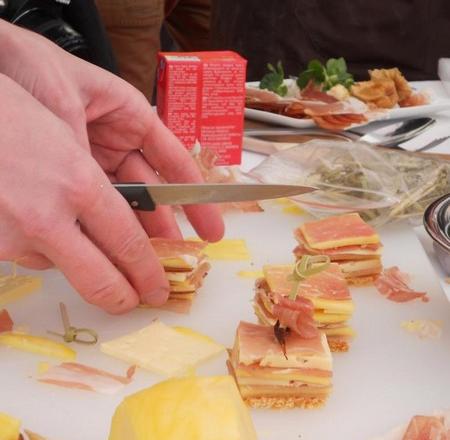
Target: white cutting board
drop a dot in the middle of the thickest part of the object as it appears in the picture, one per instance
(387, 377)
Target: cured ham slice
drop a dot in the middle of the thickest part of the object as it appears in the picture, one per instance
(185, 266)
(337, 231)
(169, 248)
(346, 240)
(393, 284)
(326, 291)
(297, 316)
(269, 378)
(263, 95)
(427, 428)
(6, 323)
(327, 284)
(83, 377)
(206, 160)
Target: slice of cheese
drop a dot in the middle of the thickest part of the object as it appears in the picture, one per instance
(345, 307)
(15, 287)
(342, 331)
(330, 318)
(252, 274)
(228, 249)
(162, 349)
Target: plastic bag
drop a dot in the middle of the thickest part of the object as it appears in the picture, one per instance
(382, 185)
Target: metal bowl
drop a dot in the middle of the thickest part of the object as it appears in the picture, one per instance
(436, 220)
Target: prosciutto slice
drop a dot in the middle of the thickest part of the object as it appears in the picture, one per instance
(393, 284)
(169, 248)
(6, 323)
(296, 315)
(427, 428)
(79, 376)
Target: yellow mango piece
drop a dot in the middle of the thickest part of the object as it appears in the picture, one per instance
(192, 408)
(15, 287)
(227, 249)
(37, 345)
(9, 427)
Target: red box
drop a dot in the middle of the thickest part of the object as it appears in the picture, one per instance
(201, 96)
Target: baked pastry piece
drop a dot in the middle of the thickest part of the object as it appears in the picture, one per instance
(185, 266)
(268, 378)
(348, 240)
(327, 291)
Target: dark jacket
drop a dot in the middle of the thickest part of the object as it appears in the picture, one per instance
(409, 34)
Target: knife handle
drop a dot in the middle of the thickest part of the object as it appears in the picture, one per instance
(137, 197)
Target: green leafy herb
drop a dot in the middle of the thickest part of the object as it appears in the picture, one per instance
(274, 80)
(327, 75)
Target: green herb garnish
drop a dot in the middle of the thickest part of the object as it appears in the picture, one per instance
(274, 80)
(305, 267)
(334, 72)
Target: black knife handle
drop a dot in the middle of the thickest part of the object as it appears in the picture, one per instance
(137, 197)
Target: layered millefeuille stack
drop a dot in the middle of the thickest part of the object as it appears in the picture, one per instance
(185, 266)
(326, 291)
(348, 241)
(268, 377)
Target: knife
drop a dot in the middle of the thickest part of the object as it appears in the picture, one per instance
(145, 197)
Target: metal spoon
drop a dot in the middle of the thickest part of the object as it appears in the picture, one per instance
(395, 132)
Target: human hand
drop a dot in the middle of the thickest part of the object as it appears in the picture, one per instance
(58, 207)
(110, 119)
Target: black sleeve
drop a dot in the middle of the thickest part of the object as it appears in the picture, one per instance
(83, 16)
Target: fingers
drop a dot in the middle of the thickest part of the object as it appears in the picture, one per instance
(34, 261)
(166, 154)
(113, 227)
(89, 271)
(161, 222)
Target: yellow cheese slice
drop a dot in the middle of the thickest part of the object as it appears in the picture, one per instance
(162, 349)
(193, 408)
(345, 307)
(330, 318)
(253, 274)
(342, 331)
(290, 375)
(227, 249)
(175, 263)
(15, 287)
(293, 210)
(9, 427)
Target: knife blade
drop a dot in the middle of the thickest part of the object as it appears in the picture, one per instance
(146, 197)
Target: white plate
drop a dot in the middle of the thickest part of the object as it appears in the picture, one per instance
(438, 104)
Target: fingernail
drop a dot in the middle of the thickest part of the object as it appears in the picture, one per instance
(156, 297)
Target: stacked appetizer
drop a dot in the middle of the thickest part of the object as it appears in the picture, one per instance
(346, 240)
(297, 373)
(326, 291)
(185, 266)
